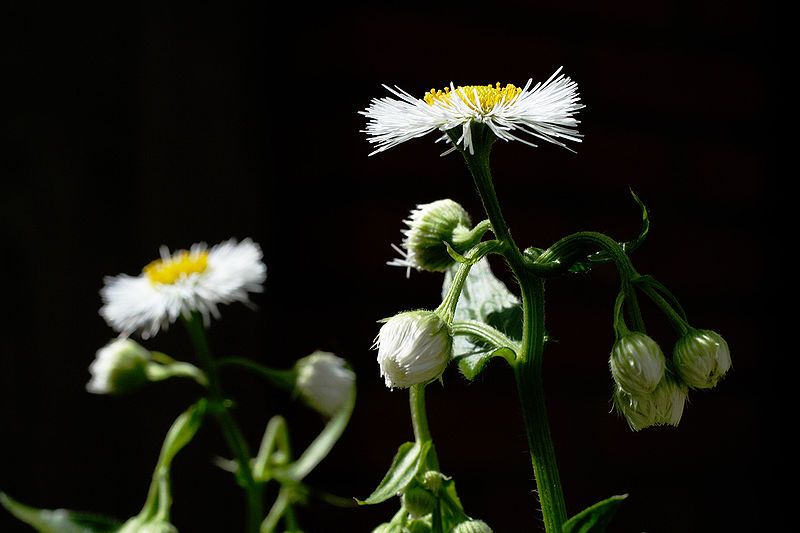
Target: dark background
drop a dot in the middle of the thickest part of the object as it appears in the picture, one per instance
(132, 126)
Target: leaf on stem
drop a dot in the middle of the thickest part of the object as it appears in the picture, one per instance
(58, 520)
(594, 519)
(404, 467)
(486, 299)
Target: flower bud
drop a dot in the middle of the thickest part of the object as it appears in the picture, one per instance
(324, 382)
(418, 501)
(472, 526)
(419, 526)
(663, 406)
(388, 527)
(118, 367)
(432, 480)
(138, 524)
(413, 347)
(702, 358)
(428, 226)
(637, 363)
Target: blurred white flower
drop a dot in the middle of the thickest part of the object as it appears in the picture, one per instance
(544, 111)
(180, 283)
(325, 382)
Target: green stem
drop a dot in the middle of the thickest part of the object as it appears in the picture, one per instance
(677, 320)
(528, 366)
(230, 430)
(282, 379)
(419, 420)
(486, 333)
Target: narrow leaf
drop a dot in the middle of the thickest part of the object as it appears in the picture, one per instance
(596, 518)
(400, 474)
(58, 520)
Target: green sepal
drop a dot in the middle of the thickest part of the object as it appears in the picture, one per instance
(484, 298)
(410, 458)
(59, 520)
(594, 519)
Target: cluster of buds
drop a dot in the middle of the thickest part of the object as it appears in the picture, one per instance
(648, 390)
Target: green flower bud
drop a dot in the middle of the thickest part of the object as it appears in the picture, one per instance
(472, 526)
(663, 406)
(153, 525)
(418, 501)
(637, 363)
(420, 525)
(413, 347)
(702, 358)
(324, 382)
(118, 367)
(428, 226)
(432, 480)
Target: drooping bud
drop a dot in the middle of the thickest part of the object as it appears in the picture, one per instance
(418, 501)
(663, 406)
(637, 363)
(118, 367)
(429, 226)
(153, 525)
(324, 382)
(702, 358)
(413, 348)
(472, 526)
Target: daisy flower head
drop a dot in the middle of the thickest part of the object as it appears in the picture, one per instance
(183, 282)
(544, 111)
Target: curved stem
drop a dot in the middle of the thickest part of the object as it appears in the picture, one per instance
(488, 334)
(528, 365)
(677, 320)
(230, 430)
(283, 379)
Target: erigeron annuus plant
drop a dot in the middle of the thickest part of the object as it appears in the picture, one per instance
(189, 286)
(479, 318)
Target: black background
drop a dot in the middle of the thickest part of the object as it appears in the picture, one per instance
(132, 126)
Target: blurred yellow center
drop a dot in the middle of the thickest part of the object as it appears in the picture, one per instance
(181, 264)
(479, 97)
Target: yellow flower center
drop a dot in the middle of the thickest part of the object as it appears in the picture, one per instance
(479, 97)
(181, 264)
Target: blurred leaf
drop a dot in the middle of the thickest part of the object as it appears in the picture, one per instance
(404, 467)
(486, 299)
(594, 519)
(58, 520)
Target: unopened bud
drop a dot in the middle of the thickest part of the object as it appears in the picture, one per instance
(432, 480)
(118, 367)
(637, 363)
(472, 526)
(429, 226)
(702, 358)
(324, 382)
(663, 406)
(413, 348)
(418, 501)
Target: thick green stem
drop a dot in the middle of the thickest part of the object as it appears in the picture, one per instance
(528, 366)
(230, 430)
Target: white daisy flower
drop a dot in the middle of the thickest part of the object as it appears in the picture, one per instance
(544, 111)
(180, 283)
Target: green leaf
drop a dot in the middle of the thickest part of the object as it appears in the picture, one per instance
(58, 520)
(404, 467)
(486, 299)
(594, 519)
